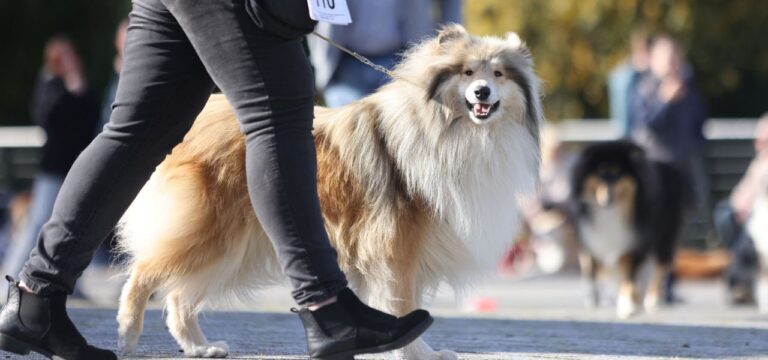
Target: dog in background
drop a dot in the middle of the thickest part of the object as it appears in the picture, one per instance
(419, 183)
(628, 210)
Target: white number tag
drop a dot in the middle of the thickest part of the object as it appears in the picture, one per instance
(330, 11)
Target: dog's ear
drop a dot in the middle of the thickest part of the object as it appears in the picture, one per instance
(440, 75)
(451, 32)
(514, 40)
(517, 44)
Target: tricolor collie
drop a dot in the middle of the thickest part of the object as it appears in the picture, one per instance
(628, 210)
(419, 183)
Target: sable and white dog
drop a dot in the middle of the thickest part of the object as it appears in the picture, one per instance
(419, 183)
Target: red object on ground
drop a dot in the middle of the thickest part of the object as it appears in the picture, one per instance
(484, 304)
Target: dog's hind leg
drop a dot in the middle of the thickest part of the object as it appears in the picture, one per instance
(182, 323)
(133, 303)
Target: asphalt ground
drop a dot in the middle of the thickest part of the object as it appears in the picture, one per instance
(535, 318)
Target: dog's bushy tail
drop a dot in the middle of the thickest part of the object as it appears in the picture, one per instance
(165, 222)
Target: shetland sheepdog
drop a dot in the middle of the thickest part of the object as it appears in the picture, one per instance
(420, 183)
(628, 210)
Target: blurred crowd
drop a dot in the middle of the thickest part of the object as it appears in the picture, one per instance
(653, 102)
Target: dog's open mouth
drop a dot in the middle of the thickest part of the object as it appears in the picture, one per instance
(482, 110)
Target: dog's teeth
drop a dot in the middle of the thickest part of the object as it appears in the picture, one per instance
(481, 109)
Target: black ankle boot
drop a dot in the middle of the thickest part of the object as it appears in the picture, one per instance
(348, 327)
(30, 322)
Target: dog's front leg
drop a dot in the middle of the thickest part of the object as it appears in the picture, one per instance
(399, 298)
(589, 270)
(627, 301)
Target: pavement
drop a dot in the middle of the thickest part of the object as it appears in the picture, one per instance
(534, 318)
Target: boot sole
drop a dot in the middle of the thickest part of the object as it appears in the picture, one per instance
(404, 340)
(19, 347)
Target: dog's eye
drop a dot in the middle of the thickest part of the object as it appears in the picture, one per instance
(468, 72)
(497, 73)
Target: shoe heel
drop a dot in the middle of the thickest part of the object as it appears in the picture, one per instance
(10, 344)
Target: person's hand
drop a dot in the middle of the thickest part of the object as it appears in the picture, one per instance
(672, 88)
(741, 216)
(62, 62)
(72, 72)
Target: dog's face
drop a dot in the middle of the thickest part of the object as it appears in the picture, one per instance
(608, 185)
(483, 85)
(481, 80)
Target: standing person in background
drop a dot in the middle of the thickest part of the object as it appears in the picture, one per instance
(667, 119)
(667, 113)
(382, 29)
(63, 106)
(624, 77)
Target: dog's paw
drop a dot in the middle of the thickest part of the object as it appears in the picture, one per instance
(651, 304)
(128, 338)
(626, 309)
(419, 350)
(218, 349)
(444, 355)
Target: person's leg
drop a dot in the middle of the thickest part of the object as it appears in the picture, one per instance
(346, 84)
(162, 88)
(739, 275)
(268, 81)
(724, 220)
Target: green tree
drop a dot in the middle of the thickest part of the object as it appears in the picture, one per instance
(576, 43)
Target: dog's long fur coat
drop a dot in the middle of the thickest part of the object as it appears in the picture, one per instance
(414, 191)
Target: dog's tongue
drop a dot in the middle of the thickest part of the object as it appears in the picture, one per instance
(482, 109)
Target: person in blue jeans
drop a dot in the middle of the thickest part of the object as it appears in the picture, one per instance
(176, 51)
(66, 110)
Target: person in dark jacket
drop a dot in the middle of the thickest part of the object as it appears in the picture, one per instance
(667, 113)
(667, 119)
(176, 51)
(63, 106)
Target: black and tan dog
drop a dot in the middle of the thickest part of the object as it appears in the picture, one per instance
(629, 210)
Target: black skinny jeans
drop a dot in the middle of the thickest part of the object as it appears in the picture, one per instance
(176, 50)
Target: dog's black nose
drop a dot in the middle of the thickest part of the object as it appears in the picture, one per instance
(482, 93)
